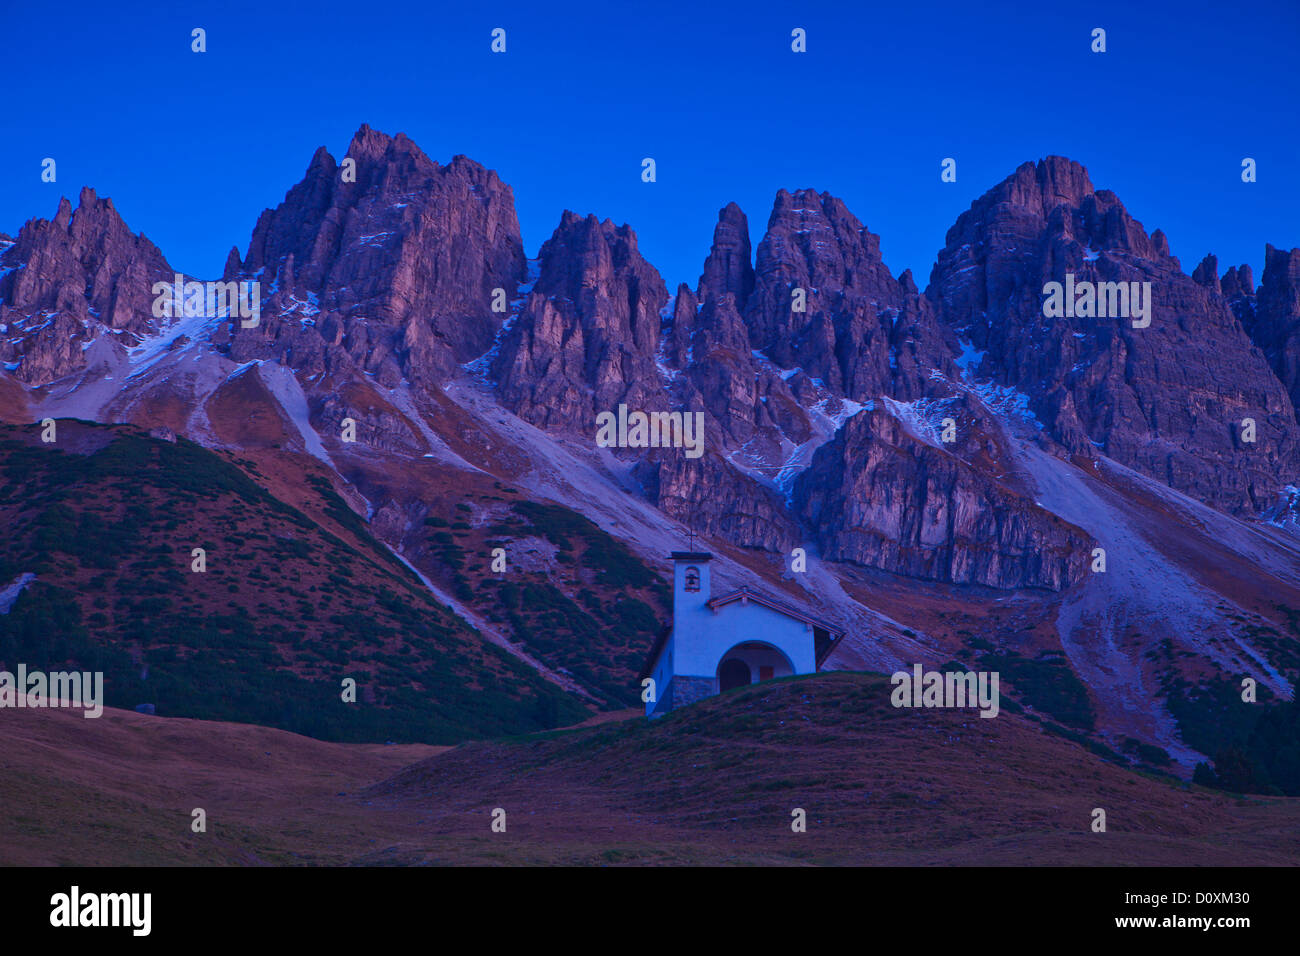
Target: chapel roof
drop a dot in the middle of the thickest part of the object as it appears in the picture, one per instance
(746, 594)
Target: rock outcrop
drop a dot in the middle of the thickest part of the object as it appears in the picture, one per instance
(395, 272)
(586, 338)
(64, 281)
(1272, 317)
(861, 331)
(712, 497)
(1170, 399)
(749, 405)
(880, 494)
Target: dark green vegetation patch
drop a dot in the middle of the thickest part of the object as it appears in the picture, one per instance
(284, 612)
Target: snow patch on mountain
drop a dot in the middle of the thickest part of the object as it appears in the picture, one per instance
(1285, 514)
(968, 360)
(281, 382)
(151, 348)
(1007, 403)
(85, 393)
(667, 373)
(827, 417)
(10, 592)
(923, 418)
(481, 367)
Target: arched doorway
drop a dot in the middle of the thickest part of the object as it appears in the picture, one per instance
(733, 673)
(751, 662)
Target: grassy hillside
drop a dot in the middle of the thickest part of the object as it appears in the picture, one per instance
(717, 782)
(573, 597)
(120, 790)
(712, 783)
(288, 606)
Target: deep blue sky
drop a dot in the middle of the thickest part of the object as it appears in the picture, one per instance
(192, 147)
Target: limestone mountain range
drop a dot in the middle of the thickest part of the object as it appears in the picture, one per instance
(950, 460)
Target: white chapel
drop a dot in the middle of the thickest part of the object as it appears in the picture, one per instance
(716, 643)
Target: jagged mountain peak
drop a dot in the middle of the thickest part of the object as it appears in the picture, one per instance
(591, 228)
(814, 240)
(1053, 180)
(94, 226)
(391, 172)
(1102, 378)
(729, 267)
(803, 210)
(1052, 198)
(1206, 273)
(585, 252)
(370, 146)
(821, 419)
(403, 262)
(1038, 187)
(63, 280)
(1271, 313)
(587, 334)
(1281, 260)
(396, 163)
(1238, 280)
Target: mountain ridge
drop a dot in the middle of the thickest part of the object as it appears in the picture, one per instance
(404, 303)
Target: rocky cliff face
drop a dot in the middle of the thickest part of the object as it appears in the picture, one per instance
(711, 497)
(818, 317)
(391, 277)
(750, 406)
(394, 273)
(861, 332)
(63, 281)
(824, 427)
(729, 267)
(1272, 317)
(885, 495)
(1169, 399)
(586, 338)
(764, 361)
